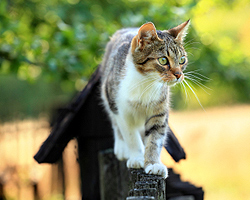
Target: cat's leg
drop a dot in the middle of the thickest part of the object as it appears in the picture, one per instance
(136, 150)
(155, 133)
(134, 144)
(120, 148)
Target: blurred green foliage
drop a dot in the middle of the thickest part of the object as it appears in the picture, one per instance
(59, 43)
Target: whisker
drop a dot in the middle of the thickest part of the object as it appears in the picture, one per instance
(209, 79)
(195, 48)
(202, 86)
(189, 53)
(198, 82)
(154, 92)
(190, 62)
(141, 83)
(196, 75)
(191, 84)
(196, 70)
(186, 94)
(190, 42)
(194, 94)
(146, 88)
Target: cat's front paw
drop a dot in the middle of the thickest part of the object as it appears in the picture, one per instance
(135, 162)
(121, 150)
(157, 169)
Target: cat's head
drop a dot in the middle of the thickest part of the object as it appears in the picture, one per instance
(161, 52)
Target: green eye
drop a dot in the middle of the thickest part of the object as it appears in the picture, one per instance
(163, 60)
(182, 60)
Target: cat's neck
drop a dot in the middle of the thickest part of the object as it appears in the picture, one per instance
(138, 87)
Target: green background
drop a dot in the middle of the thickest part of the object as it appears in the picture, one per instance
(49, 49)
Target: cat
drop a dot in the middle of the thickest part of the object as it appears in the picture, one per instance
(138, 68)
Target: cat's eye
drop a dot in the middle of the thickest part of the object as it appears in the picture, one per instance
(182, 60)
(163, 60)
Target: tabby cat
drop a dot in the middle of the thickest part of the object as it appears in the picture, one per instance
(139, 66)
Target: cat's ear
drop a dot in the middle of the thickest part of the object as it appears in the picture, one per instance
(147, 31)
(146, 34)
(179, 32)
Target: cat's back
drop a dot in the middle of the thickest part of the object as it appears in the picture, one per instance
(124, 34)
(117, 49)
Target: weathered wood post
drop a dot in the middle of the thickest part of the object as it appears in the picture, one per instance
(146, 186)
(114, 176)
(119, 183)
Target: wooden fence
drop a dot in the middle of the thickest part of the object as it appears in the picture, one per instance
(21, 177)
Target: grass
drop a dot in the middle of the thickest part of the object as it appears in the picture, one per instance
(218, 150)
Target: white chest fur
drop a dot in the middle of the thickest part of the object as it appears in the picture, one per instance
(136, 94)
(139, 87)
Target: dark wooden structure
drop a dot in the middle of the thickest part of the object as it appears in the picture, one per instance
(119, 183)
(85, 119)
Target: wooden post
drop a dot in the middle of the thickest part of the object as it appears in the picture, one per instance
(114, 176)
(119, 183)
(146, 186)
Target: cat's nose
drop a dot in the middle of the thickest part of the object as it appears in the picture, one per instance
(178, 75)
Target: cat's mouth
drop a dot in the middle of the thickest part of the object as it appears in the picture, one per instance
(173, 79)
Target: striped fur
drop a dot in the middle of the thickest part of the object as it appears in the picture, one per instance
(135, 90)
